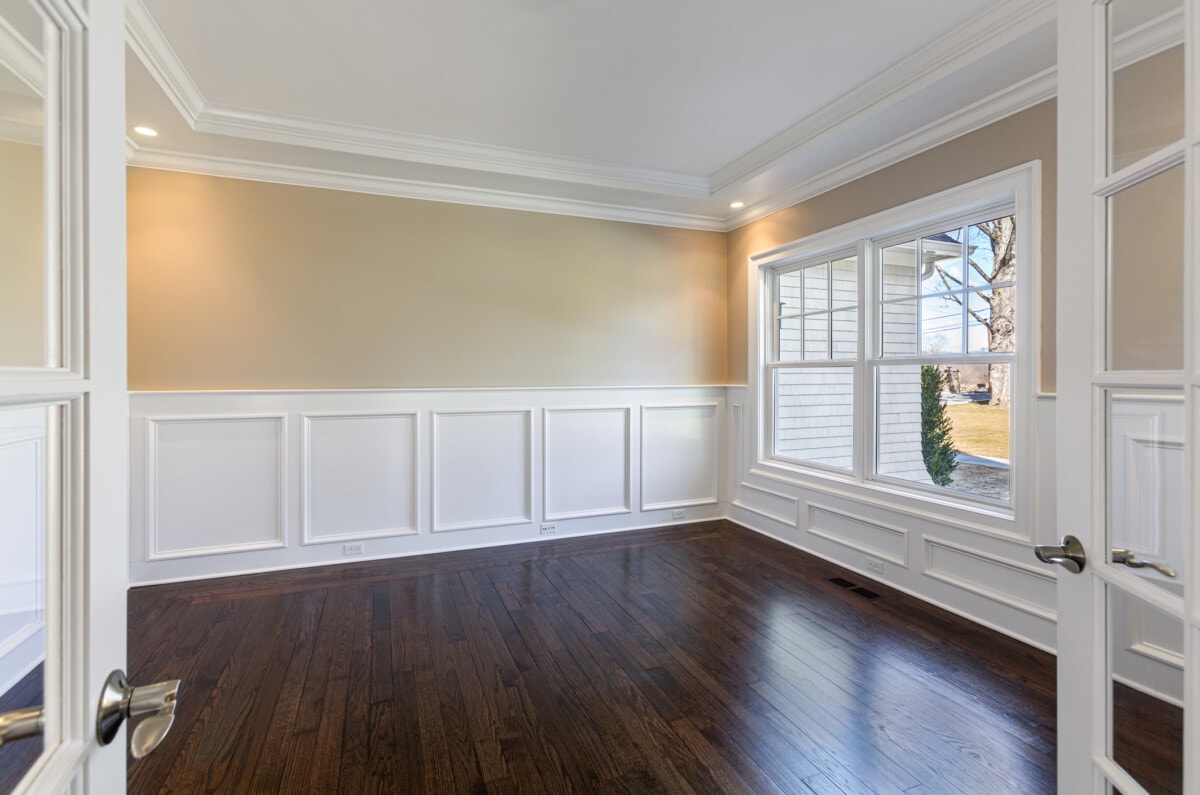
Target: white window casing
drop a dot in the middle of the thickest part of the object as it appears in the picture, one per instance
(838, 436)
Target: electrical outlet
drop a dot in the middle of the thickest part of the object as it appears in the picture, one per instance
(352, 549)
(547, 529)
(677, 513)
(875, 565)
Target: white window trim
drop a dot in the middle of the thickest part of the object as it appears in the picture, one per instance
(1016, 190)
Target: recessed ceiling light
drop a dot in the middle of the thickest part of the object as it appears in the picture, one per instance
(737, 205)
(149, 132)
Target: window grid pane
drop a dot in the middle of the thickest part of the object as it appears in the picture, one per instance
(814, 415)
(817, 312)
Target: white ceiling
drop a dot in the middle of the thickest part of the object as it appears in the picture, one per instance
(663, 112)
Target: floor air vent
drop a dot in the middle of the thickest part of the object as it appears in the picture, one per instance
(854, 588)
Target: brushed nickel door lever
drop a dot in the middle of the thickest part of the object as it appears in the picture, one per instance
(154, 704)
(1069, 554)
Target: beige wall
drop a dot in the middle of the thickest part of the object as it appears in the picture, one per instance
(238, 284)
(22, 284)
(1026, 136)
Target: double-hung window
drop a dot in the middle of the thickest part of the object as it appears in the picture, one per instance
(891, 353)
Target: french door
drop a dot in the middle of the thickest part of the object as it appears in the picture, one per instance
(1128, 397)
(63, 404)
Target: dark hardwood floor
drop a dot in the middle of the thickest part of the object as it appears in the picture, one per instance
(704, 658)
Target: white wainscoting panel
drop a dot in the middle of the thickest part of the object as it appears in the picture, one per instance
(586, 468)
(768, 503)
(1028, 588)
(1147, 488)
(858, 533)
(482, 469)
(1147, 647)
(680, 455)
(216, 484)
(359, 476)
(23, 437)
(217, 488)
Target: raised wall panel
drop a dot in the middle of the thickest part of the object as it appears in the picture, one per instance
(680, 456)
(1026, 588)
(359, 476)
(586, 463)
(1147, 494)
(773, 505)
(482, 469)
(216, 485)
(859, 534)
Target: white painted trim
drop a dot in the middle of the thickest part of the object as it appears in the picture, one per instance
(260, 171)
(764, 514)
(793, 521)
(716, 457)
(23, 633)
(858, 547)
(992, 192)
(1159, 34)
(150, 45)
(423, 390)
(1158, 653)
(408, 554)
(615, 510)
(152, 423)
(864, 493)
(22, 58)
(21, 131)
(1000, 105)
(988, 593)
(1016, 190)
(435, 525)
(306, 418)
(984, 33)
(1153, 693)
(413, 148)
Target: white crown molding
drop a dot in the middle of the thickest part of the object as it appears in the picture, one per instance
(21, 131)
(148, 43)
(1157, 35)
(313, 133)
(22, 59)
(153, 49)
(411, 189)
(1023, 95)
(984, 34)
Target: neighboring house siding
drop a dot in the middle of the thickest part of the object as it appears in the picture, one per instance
(815, 405)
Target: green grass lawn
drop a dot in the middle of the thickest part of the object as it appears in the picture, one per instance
(979, 429)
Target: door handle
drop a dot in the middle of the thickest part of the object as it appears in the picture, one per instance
(22, 724)
(1132, 561)
(1069, 554)
(155, 704)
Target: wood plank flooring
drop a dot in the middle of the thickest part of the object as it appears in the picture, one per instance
(704, 658)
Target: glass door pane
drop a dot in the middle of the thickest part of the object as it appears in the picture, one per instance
(24, 286)
(1145, 78)
(1146, 692)
(26, 439)
(1146, 238)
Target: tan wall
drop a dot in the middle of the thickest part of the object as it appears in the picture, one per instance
(238, 284)
(1018, 139)
(1148, 221)
(22, 285)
